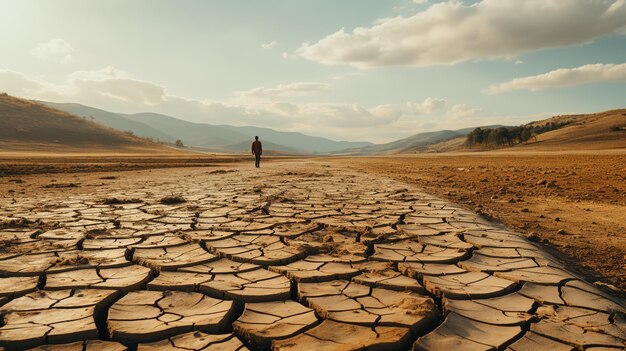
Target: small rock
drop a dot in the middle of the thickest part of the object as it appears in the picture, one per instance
(551, 184)
(525, 210)
(541, 182)
(562, 232)
(557, 219)
(534, 237)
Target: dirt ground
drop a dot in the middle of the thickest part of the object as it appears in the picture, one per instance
(20, 165)
(300, 254)
(575, 204)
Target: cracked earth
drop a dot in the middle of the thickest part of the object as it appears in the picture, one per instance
(294, 256)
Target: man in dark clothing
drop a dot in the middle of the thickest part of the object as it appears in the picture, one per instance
(257, 150)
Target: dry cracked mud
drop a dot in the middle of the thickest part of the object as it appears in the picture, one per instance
(294, 256)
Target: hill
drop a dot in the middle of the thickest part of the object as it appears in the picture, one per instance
(112, 120)
(239, 138)
(416, 143)
(193, 134)
(299, 141)
(216, 137)
(30, 126)
(596, 131)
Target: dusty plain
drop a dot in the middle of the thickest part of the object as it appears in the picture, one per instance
(574, 204)
(309, 254)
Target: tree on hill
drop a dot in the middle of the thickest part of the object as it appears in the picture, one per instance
(179, 143)
(509, 136)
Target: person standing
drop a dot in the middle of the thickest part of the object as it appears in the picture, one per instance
(257, 150)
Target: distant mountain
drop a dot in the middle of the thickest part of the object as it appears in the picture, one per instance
(29, 126)
(414, 143)
(224, 137)
(196, 134)
(298, 140)
(112, 120)
(267, 145)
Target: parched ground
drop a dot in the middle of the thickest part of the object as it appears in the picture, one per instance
(573, 204)
(299, 255)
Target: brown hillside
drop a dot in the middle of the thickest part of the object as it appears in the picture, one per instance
(589, 132)
(30, 126)
(595, 131)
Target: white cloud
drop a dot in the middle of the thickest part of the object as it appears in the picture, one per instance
(115, 90)
(54, 49)
(463, 111)
(452, 32)
(616, 6)
(428, 106)
(101, 74)
(564, 77)
(288, 56)
(284, 90)
(269, 45)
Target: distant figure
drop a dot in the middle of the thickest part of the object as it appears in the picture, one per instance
(257, 150)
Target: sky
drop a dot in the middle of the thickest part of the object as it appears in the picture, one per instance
(348, 70)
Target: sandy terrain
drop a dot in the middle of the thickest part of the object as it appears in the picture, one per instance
(299, 255)
(12, 164)
(574, 204)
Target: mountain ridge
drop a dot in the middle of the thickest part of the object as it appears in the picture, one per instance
(26, 125)
(169, 128)
(412, 143)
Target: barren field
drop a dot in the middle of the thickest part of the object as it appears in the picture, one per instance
(298, 255)
(11, 165)
(573, 204)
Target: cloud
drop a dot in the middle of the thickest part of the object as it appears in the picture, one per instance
(112, 89)
(452, 32)
(428, 106)
(564, 77)
(99, 75)
(269, 45)
(285, 90)
(54, 49)
(463, 111)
